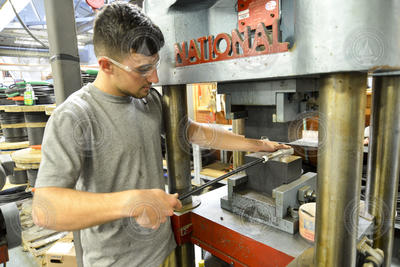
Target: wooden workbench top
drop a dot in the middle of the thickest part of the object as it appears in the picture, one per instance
(16, 108)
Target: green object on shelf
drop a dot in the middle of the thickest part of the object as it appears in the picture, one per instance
(23, 84)
(13, 94)
(92, 72)
(39, 83)
(29, 95)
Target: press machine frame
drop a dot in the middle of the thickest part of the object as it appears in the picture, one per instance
(325, 43)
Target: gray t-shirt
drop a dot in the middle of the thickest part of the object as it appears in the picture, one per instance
(98, 142)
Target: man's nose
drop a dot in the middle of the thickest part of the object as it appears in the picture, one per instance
(153, 77)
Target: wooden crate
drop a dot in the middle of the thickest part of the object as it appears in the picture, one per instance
(36, 240)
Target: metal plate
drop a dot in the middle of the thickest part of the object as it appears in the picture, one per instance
(250, 13)
(196, 201)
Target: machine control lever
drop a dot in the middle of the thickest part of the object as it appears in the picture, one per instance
(264, 159)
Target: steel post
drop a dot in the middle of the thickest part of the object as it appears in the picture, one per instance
(342, 115)
(238, 128)
(384, 158)
(178, 155)
(64, 57)
(178, 147)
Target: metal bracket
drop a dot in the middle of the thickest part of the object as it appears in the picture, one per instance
(375, 257)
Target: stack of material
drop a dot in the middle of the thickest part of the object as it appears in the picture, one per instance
(3, 97)
(88, 76)
(16, 89)
(28, 159)
(35, 125)
(33, 121)
(15, 138)
(13, 126)
(35, 239)
(14, 194)
(44, 92)
(7, 166)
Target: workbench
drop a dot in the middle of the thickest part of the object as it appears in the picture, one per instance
(240, 242)
(233, 238)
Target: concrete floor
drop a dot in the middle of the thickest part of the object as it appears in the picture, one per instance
(20, 258)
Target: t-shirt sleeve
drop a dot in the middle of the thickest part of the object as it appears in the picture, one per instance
(158, 100)
(62, 159)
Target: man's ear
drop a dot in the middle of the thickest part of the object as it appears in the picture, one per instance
(105, 65)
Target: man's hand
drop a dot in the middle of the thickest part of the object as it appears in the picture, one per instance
(270, 146)
(152, 207)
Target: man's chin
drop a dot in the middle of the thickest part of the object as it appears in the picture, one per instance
(141, 94)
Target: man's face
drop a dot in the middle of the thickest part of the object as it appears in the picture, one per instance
(136, 80)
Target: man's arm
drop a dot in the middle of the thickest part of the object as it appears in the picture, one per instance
(64, 209)
(214, 137)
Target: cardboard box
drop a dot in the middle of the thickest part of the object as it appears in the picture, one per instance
(61, 254)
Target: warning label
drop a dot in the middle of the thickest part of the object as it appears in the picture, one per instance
(271, 5)
(244, 14)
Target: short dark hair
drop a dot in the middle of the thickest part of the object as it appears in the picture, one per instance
(121, 28)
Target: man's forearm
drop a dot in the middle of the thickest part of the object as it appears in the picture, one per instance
(214, 137)
(67, 209)
(207, 135)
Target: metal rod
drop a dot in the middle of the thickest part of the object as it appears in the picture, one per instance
(383, 159)
(239, 169)
(342, 115)
(238, 127)
(216, 180)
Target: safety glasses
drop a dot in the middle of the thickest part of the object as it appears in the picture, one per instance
(144, 70)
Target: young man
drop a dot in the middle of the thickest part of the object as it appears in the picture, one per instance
(101, 170)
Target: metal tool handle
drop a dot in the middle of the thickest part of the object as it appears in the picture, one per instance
(216, 180)
(264, 159)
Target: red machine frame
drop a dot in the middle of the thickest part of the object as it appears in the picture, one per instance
(226, 244)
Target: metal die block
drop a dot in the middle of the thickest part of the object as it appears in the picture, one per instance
(274, 173)
(256, 207)
(286, 195)
(226, 203)
(236, 182)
